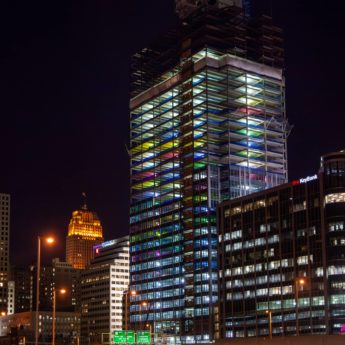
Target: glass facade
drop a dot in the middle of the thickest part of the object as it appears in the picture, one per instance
(218, 134)
(207, 124)
(282, 252)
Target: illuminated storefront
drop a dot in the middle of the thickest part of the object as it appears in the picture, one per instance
(282, 254)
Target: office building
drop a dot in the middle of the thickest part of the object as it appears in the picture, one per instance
(103, 285)
(67, 277)
(207, 124)
(22, 287)
(282, 257)
(67, 327)
(84, 231)
(60, 275)
(5, 208)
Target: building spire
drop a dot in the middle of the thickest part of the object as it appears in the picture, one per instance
(84, 205)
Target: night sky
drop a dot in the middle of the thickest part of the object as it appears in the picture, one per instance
(64, 83)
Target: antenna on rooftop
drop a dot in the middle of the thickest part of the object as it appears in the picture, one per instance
(84, 205)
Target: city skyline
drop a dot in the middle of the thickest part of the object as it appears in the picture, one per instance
(51, 134)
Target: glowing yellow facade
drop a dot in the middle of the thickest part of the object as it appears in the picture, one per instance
(84, 232)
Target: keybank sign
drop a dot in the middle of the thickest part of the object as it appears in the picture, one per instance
(304, 180)
(307, 179)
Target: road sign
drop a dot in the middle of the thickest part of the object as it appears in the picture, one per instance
(130, 337)
(120, 337)
(143, 337)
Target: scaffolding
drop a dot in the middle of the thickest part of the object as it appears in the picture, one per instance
(228, 31)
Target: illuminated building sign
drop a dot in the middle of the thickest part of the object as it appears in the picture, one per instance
(308, 178)
(103, 245)
(304, 180)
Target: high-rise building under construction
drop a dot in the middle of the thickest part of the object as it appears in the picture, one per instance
(207, 124)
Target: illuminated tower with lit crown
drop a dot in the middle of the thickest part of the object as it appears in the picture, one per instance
(84, 232)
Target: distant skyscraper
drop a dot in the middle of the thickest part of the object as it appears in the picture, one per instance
(60, 275)
(4, 248)
(207, 124)
(23, 325)
(84, 231)
(102, 286)
(68, 277)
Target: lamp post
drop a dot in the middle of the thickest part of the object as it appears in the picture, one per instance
(142, 304)
(132, 293)
(298, 282)
(149, 326)
(49, 240)
(62, 291)
(269, 313)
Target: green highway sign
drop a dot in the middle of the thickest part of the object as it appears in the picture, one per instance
(120, 337)
(130, 337)
(143, 337)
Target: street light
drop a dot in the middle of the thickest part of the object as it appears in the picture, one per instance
(142, 304)
(269, 313)
(298, 283)
(48, 240)
(149, 326)
(62, 292)
(132, 293)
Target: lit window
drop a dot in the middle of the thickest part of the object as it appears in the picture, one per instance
(336, 270)
(336, 226)
(318, 300)
(337, 299)
(335, 197)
